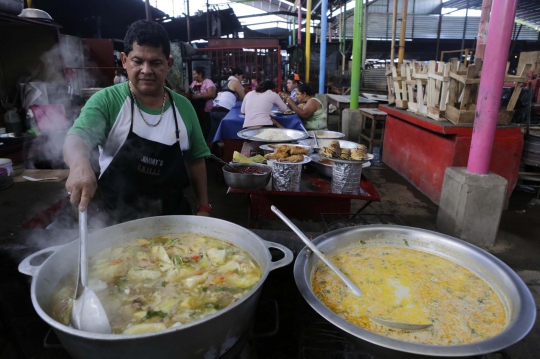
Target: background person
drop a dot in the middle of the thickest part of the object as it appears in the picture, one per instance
(313, 113)
(258, 105)
(293, 81)
(225, 100)
(151, 145)
(204, 93)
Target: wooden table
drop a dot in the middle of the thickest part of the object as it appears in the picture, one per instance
(344, 101)
(313, 199)
(375, 115)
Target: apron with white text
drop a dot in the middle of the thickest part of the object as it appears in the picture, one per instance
(145, 179)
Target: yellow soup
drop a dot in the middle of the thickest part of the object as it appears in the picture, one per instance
(162, 282)
(410, 286)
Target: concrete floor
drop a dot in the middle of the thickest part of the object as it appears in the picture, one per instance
(518, 241)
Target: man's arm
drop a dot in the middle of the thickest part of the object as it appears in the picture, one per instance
(82, 181)
(197, 175)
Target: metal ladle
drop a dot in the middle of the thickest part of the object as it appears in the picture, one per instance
(87, 313)
(352, 287)
(229, 167)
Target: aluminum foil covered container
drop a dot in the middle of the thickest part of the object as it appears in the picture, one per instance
(286, 176)
(346, 178)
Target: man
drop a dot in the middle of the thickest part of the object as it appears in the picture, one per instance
(151, 144)
(292, 83)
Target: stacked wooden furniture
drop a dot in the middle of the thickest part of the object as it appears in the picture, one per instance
(449, 91)
(463, 93)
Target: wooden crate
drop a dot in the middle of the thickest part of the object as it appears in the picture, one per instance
(461, 106)
(416, 74)
(390, 84)
(400, 87)
(437, 89)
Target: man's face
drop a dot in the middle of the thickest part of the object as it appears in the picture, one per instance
(147, 68)
(291, 85)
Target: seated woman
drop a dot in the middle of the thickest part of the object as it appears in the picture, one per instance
(225, 100)
(313, 113)
(258, 105)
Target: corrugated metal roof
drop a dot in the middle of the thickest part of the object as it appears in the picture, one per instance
(527, 10)
(425, 27)
(413, 7)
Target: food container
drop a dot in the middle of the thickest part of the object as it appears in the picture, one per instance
(327, 169)
(208, 337)
(247, 180)
(286, 176)
(346, 178)
(516, 297)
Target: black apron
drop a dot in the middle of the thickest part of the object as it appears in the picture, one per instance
(144, 179)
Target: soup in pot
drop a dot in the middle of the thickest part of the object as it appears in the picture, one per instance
(161, 282)
(410, 286)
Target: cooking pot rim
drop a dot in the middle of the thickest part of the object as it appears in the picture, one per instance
(119, 337)
(514, 331)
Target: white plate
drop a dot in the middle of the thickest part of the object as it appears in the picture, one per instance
(242, 116)
(307, 159)
(251, 134)
(316, 158)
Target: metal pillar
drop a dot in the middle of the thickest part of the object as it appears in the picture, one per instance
(293, 31)
(187, 23)
(482, 29)
(322, 58)
(299, 22)
(147, 10)
(357, 53)
(308, 39)
(491, 85)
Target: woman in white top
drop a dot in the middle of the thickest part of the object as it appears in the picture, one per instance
(225, 100)
(258, 105)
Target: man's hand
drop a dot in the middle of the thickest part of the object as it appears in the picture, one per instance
(81, 181)
(82, 184)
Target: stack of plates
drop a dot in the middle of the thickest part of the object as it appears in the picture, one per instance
(6, 166)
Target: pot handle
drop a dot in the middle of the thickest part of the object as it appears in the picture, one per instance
(287, 259)
(26, 268)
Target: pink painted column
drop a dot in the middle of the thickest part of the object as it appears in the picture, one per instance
(491, 84)
(299, 36)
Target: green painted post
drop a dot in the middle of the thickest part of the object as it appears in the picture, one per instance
(357, 53)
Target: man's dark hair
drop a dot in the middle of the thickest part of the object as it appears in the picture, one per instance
(147, 33)
(237, 71)
(305, 88)
(200, 71)
(265, 86)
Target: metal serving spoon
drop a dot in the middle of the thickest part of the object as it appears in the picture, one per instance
(352, 287)
(229, 167)
(87, 313)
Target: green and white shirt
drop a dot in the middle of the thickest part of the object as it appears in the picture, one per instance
(105, 121)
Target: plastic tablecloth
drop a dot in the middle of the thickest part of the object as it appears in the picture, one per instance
(232, 123)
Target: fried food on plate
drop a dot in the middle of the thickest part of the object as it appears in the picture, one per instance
(297, 150)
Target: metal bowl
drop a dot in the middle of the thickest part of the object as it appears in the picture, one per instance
(36, 14)
(247, 180)
(251, 134)
(322, 168)
(514, 294)
(323, 134)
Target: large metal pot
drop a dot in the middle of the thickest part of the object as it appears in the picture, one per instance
(208, 337)
(516, 297)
